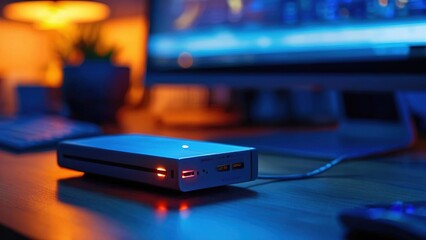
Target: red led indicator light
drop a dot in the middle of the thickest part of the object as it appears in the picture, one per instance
(161, 172)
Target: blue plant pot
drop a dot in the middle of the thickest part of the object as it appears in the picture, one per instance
(95, 90)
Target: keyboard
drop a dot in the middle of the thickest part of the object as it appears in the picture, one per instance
(42, 132)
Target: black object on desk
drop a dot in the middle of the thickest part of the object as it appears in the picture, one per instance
(37, 132)
(394, 221)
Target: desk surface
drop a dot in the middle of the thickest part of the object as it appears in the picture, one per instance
(42, 201)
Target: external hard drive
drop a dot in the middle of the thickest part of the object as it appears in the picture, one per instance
(179, 164)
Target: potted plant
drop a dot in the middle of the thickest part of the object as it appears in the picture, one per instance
(94, 89)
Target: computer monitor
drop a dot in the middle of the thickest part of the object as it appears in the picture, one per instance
(338, 44)
(342, 44)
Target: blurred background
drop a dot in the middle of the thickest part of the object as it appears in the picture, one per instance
(35, 55)
(36, 51)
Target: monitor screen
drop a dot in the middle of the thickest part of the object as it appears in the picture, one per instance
(219, 38)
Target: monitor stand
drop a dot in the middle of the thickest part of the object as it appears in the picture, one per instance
(369, 123)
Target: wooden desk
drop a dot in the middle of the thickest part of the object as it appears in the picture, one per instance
(42, 201)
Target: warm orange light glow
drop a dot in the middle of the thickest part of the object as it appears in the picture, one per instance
(161, 172)
(161, 208)
(129, 34)
(184, 210)
(183, 207)
(56, 14)
(53, 74)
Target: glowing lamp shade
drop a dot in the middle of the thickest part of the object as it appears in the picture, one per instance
(55, 14)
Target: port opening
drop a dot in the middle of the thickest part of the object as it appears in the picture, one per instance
(222, 168)
(238, 165)
(188, 173)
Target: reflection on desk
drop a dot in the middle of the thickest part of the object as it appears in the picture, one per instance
(149, 204)
(162, 200)
(42, 201)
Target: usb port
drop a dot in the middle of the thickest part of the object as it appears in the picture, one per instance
(222, 168)
(238, 165)
(188, 173)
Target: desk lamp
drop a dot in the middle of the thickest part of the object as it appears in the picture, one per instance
(56, 14)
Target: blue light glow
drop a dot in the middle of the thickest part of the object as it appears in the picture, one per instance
(384, 39)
